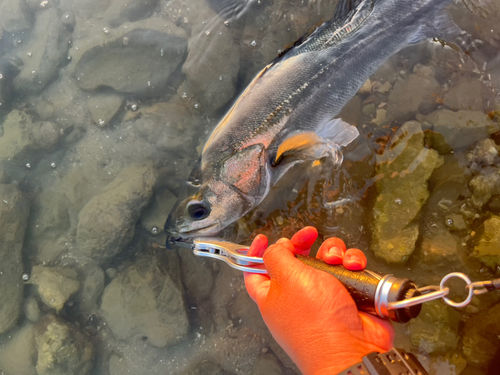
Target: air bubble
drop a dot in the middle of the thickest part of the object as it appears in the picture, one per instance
(101, 122)
(398, 200)
(44, 4)
(29, 54)
(53, 165)
(253, 43)
(25, 277)
(28, 165)
(220, 78)
(196, 106)
(106, 31)
(184, 95)
(1, 75)
(226, 23)
(154, 230)
(207, 33)
(134, 107)
(449, 222)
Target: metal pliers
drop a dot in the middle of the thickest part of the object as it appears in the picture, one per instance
(233, 254)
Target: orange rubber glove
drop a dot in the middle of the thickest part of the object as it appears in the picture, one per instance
(309, 313)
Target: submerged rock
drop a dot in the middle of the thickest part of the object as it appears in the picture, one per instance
(18, 355)
(403, 171)
(13, 16)
(435, 330)
(104, 107)
(134, 58)
(467, 94)
(62, 349)
(121, 11)
(144, 302)
(49, 225)
(424, 89)
(212, 66)
(459, 129)
(23, 134)
(196, 274)
(92, 288)
(488, 248)
(485, 185)
(107, 222)
(481, 337)
(47, 49)
(267, 365)
(55, 284)
(14, 210)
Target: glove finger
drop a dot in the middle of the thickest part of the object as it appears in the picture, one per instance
(280, 260)
(332, 251)
(258, 246)
(354, 260)
(257, 287)
(377, 331)
(304, 239)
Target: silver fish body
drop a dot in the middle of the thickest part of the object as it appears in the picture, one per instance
(292, 99)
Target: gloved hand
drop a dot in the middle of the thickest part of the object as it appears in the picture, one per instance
(309, 313)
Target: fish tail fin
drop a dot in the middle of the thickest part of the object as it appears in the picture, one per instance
(440, 26)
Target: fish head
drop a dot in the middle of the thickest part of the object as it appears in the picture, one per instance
(225, 195)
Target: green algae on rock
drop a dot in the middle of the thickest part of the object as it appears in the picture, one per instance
(435, 329)
(402, 170)
(14, 211)
(481, 337)
(488, 248)
(62, 349)
(55, 284)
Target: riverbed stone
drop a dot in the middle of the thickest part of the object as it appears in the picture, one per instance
(23, 134)
(13, 16)
(18, 355)
(424, 89)
(107, 222)
(91, 289)
(488, 248)
(267, 365)
(104, 107)
(212, 66)
(467, 94)
(136, 58)
(144, 302)
(55, 284)
(14, 210)
(459, 129)
(62, 349)
(120, 11)
(48, 48)
(403, 170)
(435, 330)
(481, 336)
(485, 185)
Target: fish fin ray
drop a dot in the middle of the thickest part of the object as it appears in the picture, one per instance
(440, 26)
(338, 132)
(306, 146)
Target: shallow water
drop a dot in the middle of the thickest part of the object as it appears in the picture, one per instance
(105, 106)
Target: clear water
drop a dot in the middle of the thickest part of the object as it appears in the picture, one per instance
(105, 106)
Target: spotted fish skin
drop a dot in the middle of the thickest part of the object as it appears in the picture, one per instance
(300, 92)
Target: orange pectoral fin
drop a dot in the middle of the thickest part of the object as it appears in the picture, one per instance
(296, 144)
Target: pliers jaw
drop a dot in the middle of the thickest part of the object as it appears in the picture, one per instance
(212, 247)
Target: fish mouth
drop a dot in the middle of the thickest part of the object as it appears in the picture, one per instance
(196, 231)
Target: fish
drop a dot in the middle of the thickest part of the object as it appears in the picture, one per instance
(287, 114)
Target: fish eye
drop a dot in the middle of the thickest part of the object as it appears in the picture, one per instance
(198, 211)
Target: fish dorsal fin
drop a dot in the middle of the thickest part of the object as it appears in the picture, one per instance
(243, 169)
(296, 144)
(349, 16)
